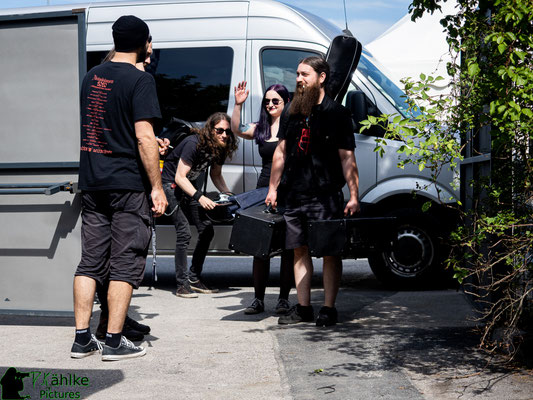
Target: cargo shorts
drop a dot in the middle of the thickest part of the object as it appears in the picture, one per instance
(115, 235)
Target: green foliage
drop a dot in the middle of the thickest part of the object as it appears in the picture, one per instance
(492, 88)
(428, 141)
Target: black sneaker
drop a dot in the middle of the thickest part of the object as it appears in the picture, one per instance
(186, 292)
(132, 334)
(81, 351)
(257, 306)
(126, 349)
(283, 306)
(131, 323)
(327, 316)
(199, 287)
(127, 330)
(297, 314)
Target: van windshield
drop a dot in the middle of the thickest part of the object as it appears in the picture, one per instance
(386, 87)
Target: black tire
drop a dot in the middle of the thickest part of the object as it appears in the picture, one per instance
(414, 261)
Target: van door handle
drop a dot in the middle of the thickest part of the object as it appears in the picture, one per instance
(47, 189)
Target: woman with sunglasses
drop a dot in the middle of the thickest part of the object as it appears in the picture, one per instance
(182, 182)
(265, 132)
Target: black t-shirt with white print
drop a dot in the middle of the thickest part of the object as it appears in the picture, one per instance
(114, 96)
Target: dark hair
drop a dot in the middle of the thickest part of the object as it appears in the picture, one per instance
(262, 130)
(319, 64)
(109, 55)
(208, 142)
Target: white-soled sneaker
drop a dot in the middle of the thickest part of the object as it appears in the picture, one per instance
(125, 350)
(199, 287)
(80, 351)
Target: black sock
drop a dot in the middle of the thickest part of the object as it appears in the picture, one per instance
(112, 339)
(83, 336)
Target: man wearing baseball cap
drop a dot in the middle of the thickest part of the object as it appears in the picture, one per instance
(119, 173)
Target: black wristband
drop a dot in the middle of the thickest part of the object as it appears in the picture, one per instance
(196, 196)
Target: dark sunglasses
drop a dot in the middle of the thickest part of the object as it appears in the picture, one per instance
(220, 131)
(266, 102)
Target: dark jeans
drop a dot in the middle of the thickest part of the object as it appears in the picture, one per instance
(190, 212)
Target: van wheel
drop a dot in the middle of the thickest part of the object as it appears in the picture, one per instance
(414, 259)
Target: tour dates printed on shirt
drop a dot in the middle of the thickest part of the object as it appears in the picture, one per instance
(94, 140)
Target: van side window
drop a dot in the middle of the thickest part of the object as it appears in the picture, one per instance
(279, 66)
(192, 83)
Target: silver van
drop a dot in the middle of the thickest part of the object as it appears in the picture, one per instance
(202, 49)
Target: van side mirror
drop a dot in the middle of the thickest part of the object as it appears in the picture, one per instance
(361, 107)
(356, 103)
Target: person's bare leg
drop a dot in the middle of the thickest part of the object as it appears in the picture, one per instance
(118, 299)
(303, 272)
(332, 272)
(84, 289)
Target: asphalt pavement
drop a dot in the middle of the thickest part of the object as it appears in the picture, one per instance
(388, 345)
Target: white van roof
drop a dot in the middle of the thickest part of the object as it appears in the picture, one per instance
(266, 19)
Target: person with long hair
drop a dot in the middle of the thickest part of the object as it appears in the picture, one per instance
(264, 132)
(182, 172)
(315, 158)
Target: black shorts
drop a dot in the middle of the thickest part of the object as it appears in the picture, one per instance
(299, 211)
(115, 235)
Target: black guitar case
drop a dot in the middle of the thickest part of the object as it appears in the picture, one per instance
(343, 56)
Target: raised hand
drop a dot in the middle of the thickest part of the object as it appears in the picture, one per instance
(241, 94)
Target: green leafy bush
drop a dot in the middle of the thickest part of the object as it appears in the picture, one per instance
(491, 93)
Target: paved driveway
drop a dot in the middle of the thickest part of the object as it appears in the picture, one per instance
(390, 345)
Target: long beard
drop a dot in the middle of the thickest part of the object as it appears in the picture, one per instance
(304, 99)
